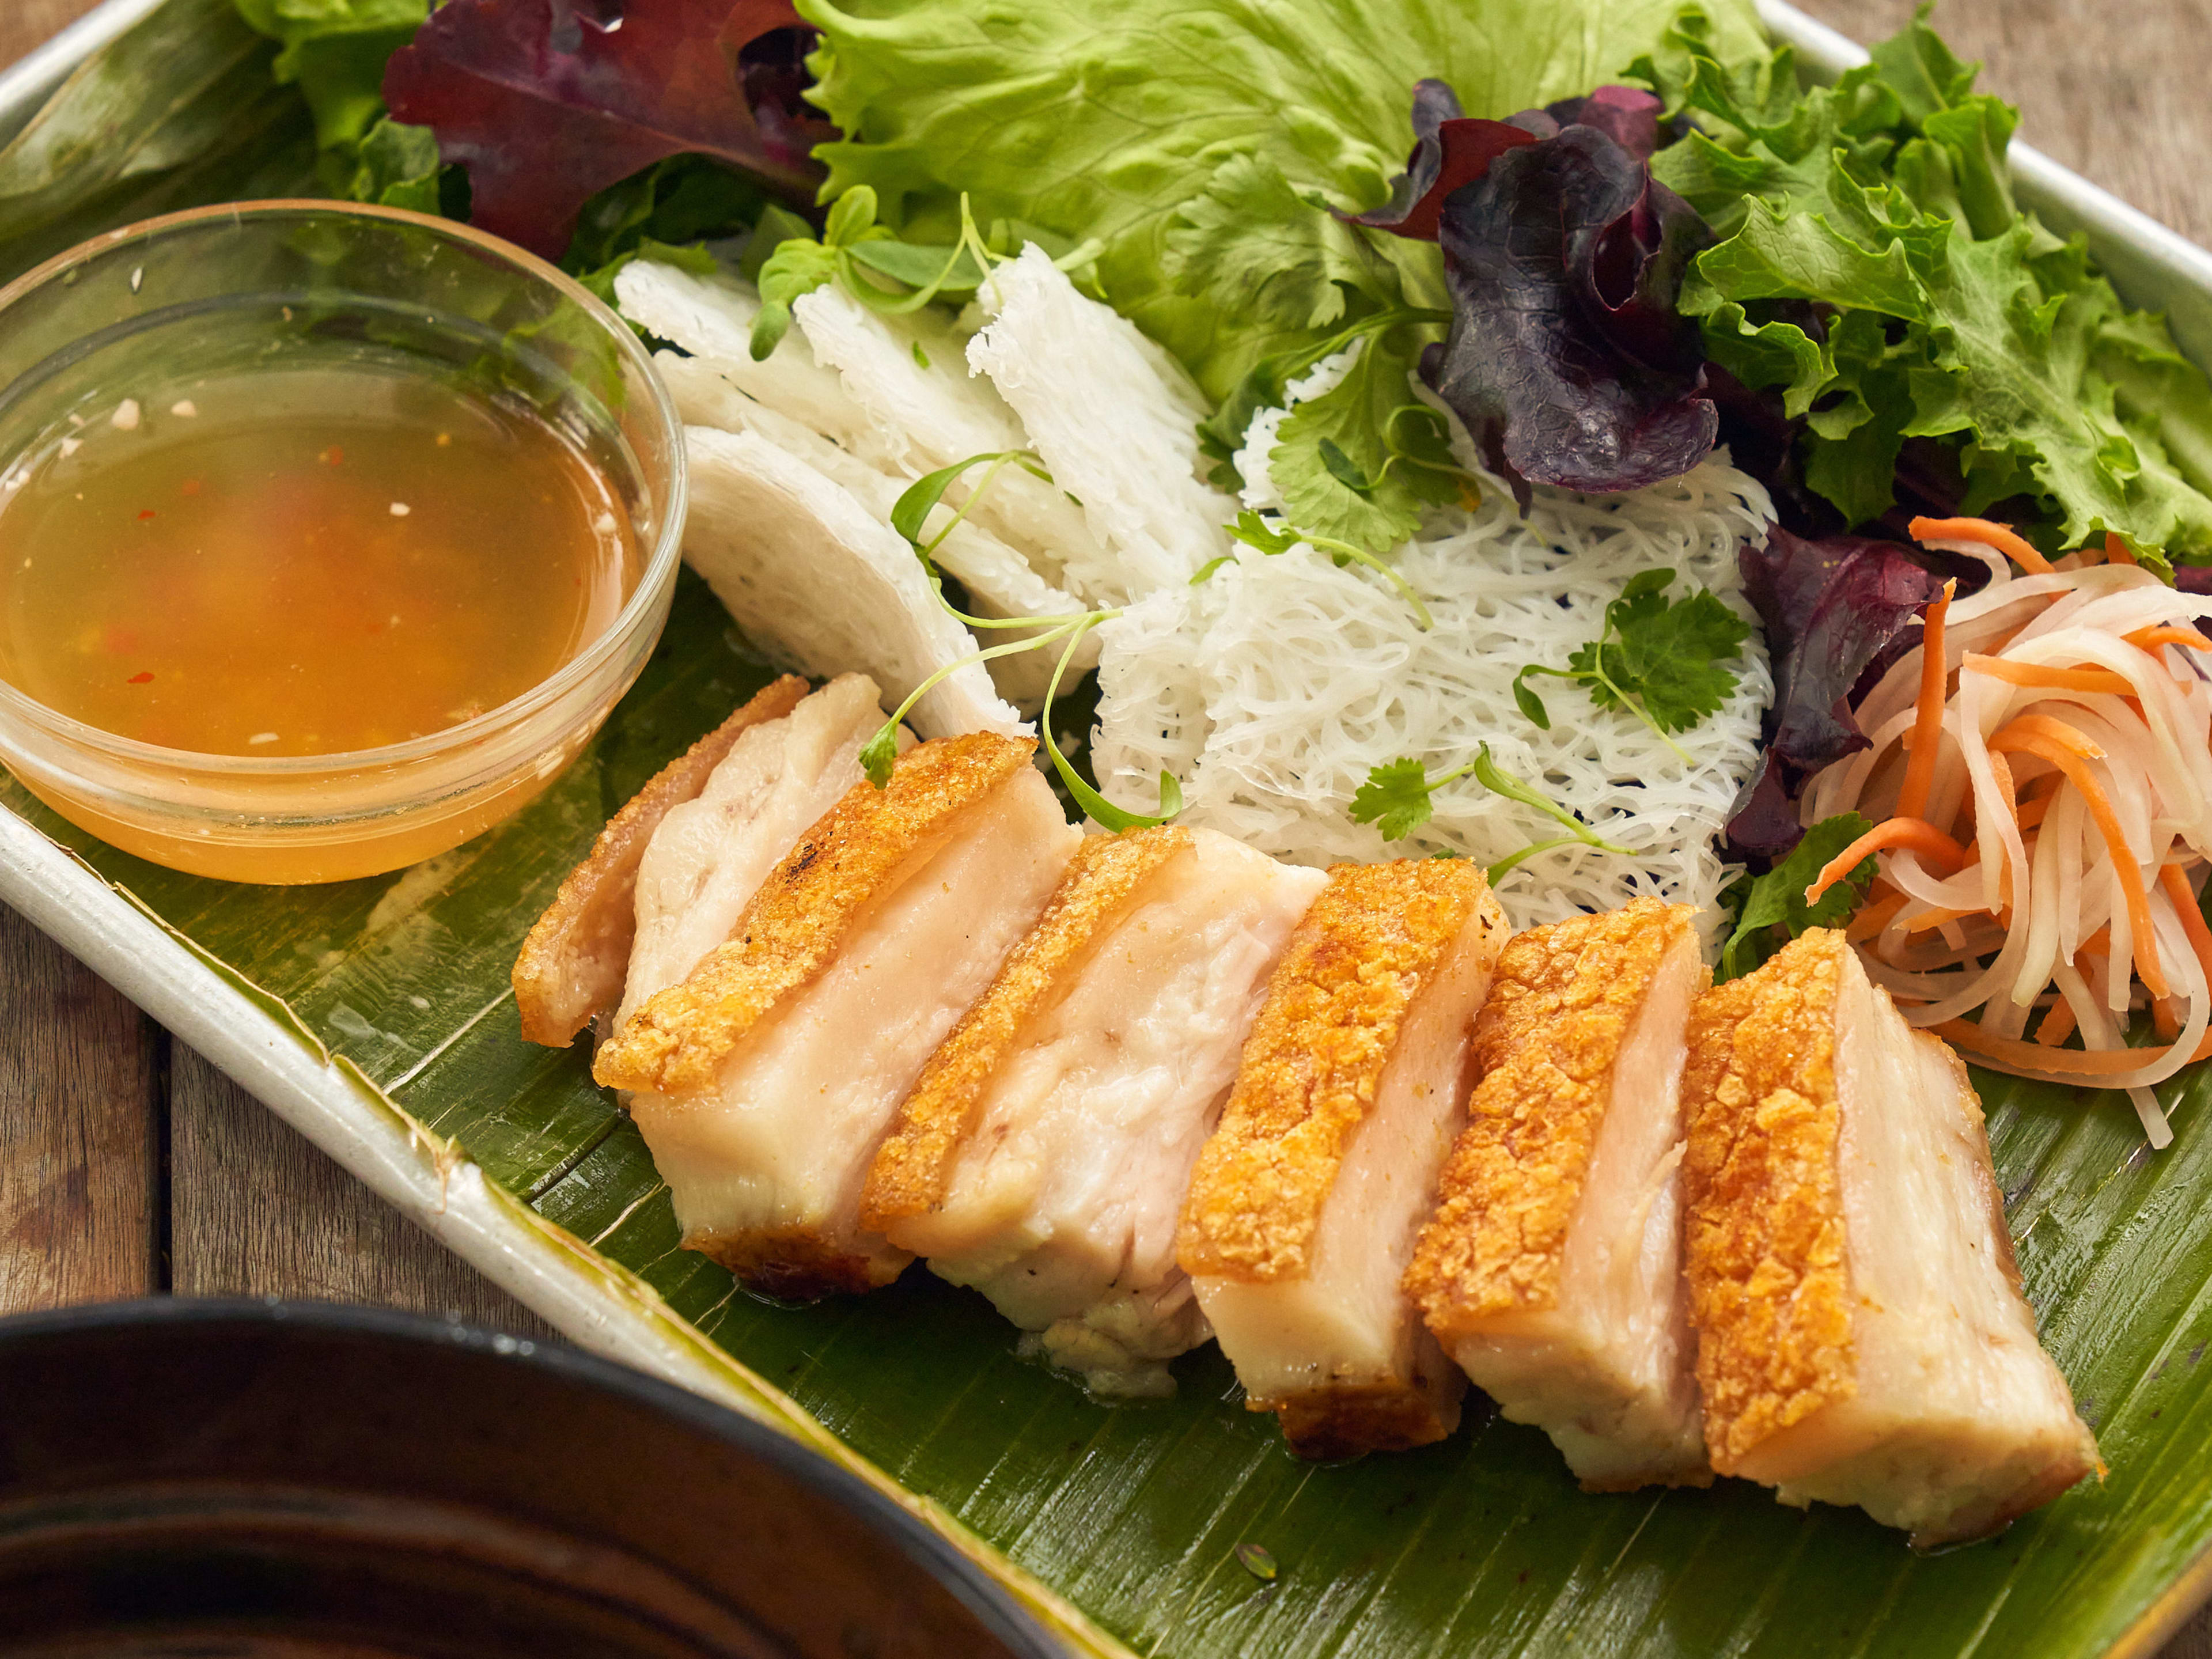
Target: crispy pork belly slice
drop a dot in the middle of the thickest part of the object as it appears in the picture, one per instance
(1862, 1337)
(571, 968)
(1044, 1154)
(1553, 1270)
(709, 855)
(1306, 1202)
(768, 1077)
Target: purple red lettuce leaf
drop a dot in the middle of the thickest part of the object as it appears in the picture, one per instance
(1449, 149)
(546, 102)
(1626, 115)
(1567, 358)
(1836, 613)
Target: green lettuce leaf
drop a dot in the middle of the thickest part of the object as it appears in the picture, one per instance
(1199, 141)
(1885, 200)
(335, 51)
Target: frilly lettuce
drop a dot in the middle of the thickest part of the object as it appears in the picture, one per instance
(1201, 141)
(1877, 272)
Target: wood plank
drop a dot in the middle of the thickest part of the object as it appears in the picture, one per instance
(25, 23)
(80, 1164)
(257, 1210)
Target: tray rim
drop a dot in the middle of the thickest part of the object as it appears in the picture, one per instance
(596, 1303)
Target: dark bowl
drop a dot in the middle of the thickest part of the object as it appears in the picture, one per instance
(217, 1479)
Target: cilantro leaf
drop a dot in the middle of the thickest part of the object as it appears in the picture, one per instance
(1394, 798)
(1666, 657)
(1253, 531)
(1350, 468)
(1770, 910)
(1661, 662)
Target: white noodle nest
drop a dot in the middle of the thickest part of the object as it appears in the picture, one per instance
(1272, 690)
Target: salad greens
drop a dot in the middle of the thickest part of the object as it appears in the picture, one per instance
(1199, 142)
(1877, 273)
(1397, 799)
(334, 50)
(1769, 910)
(1204, 148)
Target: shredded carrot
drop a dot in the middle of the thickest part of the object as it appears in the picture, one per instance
(2057, 1025)
(2116, 549)
(2070, 752)
(1913, 834)
(1872, 918)
(2166, 1019)
(1928, 711)
(2038, 676)
(1926, 922)
(2192, 916)
(1989, 535)
(2034, 812)
(2150, 639)
(2034, 1057)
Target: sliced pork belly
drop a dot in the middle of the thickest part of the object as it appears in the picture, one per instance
(1306, 1202)
(1862, 1337)
(767, 1078)
(709, 855)
(1552, 1271)
(1044, 1154)
(571, 968)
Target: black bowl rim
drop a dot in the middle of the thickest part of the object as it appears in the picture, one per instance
(926, 1548)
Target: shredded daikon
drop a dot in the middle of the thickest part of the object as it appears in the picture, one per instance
(2052, 872)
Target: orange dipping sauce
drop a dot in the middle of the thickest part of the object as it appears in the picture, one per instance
(306, 560)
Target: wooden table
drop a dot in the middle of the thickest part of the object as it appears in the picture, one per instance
(128, 1164)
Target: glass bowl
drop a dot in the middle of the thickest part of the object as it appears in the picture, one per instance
(307, 283)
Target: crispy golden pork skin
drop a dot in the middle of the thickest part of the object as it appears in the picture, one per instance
(1306, 1201)
(1862, 1337)
(1044, 1153)
(767, 1078)
(572, 966)
(1552, 1271)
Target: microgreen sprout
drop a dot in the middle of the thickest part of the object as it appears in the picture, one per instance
(1397, 799)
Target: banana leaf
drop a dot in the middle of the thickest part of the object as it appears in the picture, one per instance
(179, 111)
(1119, 1525)
(1133, 1514)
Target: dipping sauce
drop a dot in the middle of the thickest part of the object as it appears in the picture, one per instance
(304, 560)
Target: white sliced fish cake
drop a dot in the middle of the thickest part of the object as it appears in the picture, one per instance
(933, 414)
(1115, 421)
(767, 1078)
(1553, 1269)
(712, 317)
(1862, 1336)
(1043, 1155)
(710, 856)
(819, 583)
(998, 580)
(1306, 1203)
